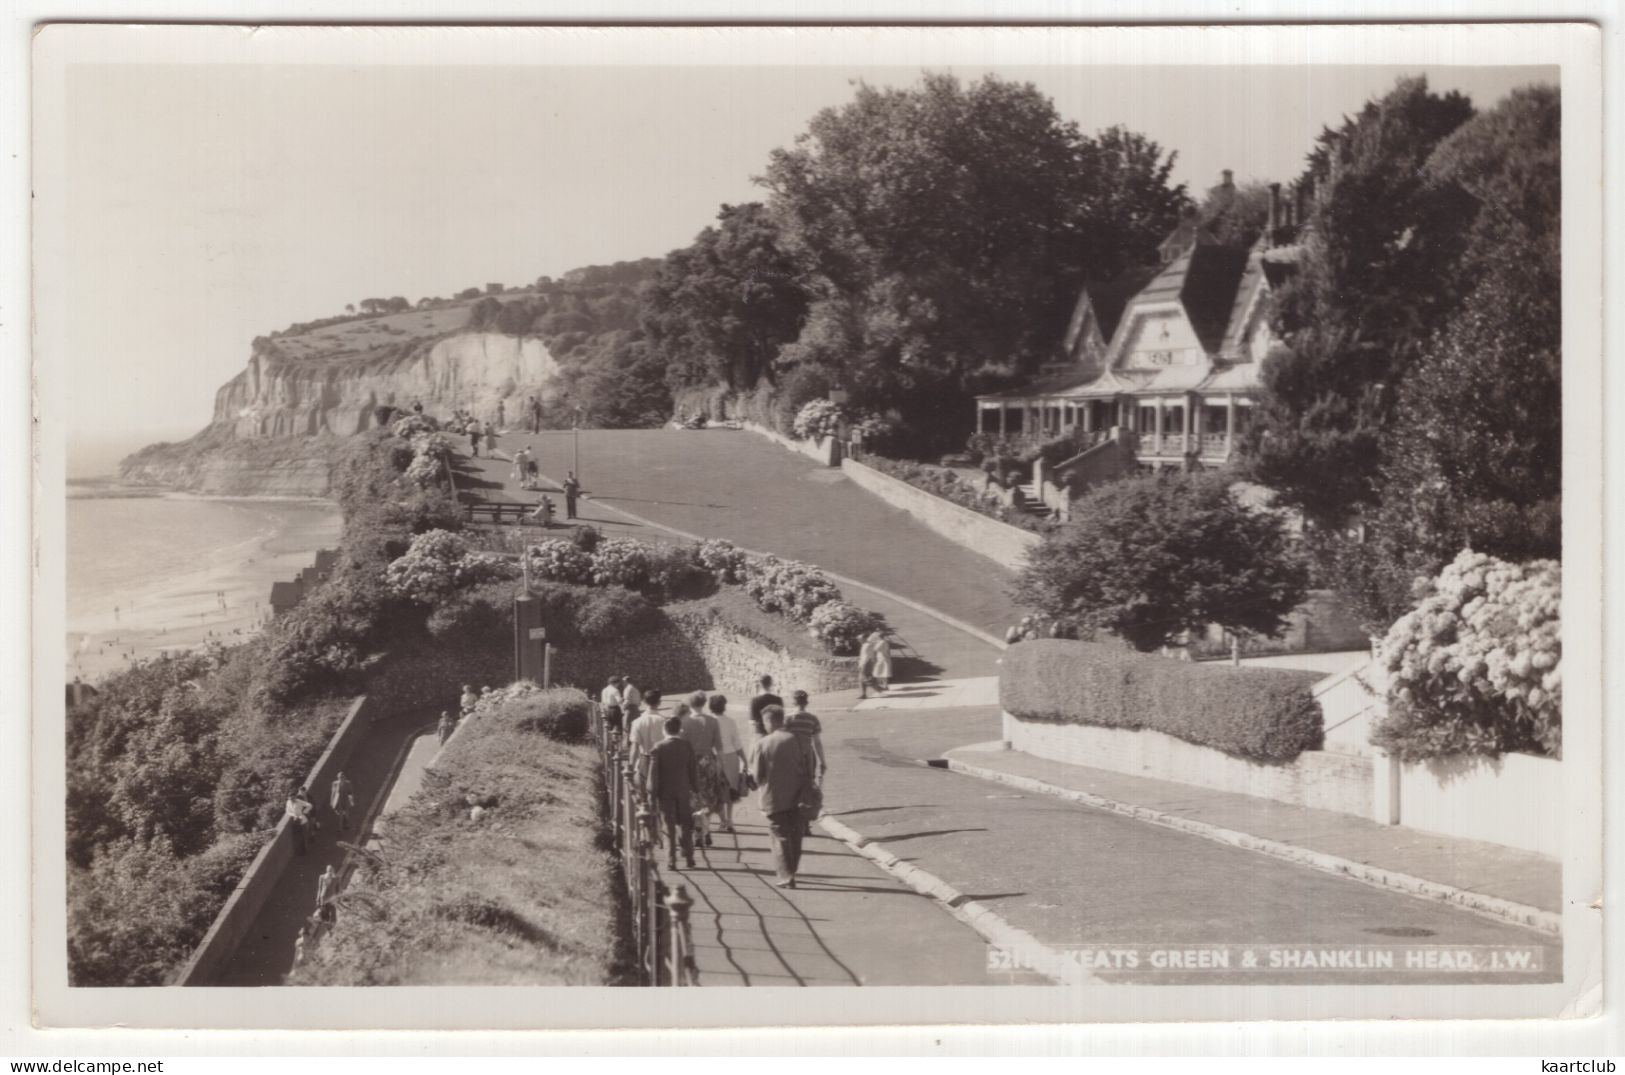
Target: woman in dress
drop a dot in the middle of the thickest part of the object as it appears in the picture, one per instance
(732, 757)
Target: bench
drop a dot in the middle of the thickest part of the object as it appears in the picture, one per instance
(501, 511)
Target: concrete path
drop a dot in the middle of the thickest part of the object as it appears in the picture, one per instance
(846, 923)
(266, 954)
(1502, 872)
(1072, 875)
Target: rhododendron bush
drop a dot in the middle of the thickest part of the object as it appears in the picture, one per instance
(817, 419)
(1477, 666)
(439, 562)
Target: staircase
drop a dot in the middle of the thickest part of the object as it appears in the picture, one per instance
(1029, 502)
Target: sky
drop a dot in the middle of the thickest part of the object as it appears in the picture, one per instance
(208, 204)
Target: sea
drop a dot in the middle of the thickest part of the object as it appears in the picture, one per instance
(150, 572)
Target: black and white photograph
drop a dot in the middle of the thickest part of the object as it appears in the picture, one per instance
(973, 525)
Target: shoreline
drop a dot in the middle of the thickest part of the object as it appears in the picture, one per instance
(226, 602)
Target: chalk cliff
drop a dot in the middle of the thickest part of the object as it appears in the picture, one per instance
(278, 423)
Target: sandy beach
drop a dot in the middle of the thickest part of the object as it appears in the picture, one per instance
(220, 595)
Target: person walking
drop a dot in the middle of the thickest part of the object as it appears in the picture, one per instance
(880, 668)
(474, 440)
(340, 797)
(327, 889)
(704, 733)
(783, 773)
(644, 734)
(611, 701)
(731, 756)
(490, 440)
(630, 695)
(297, 809)
(763, 699)
(521, 466)
(807, 728)
(445, 727)
(572, 489)
(673, 773)
(469, 699)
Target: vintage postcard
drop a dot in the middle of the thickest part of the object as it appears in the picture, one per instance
(972, 525)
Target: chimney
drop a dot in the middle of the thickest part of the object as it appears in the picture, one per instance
(1275, 212)
(1301, 217)
(1228, 178)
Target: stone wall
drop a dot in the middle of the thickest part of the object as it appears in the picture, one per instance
(242, 908)
(736, 661)
(825, 451)
(1002, 543)
(1320, 779)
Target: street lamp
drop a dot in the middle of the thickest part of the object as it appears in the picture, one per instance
(575, 432)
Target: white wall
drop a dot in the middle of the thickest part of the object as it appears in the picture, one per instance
(1516, 800)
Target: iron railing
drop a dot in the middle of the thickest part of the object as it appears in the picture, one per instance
(661, 933)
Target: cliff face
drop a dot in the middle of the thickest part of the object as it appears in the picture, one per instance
(482, 372)
(278, 424)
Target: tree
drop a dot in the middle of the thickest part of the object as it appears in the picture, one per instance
(349, 307)
(720, 309)
(1475, 455)
(1376, 278)
(1151, 557)
(373, 306)
(397, 304)
(1236, 215)
(470, 293)
(945, 230)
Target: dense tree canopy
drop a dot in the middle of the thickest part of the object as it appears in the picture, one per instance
(1376, 278)
(720, 309)
(945, 229)
(1474, 456)
(1148, 558)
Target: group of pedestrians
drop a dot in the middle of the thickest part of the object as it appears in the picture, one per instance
(690, 764)
(301, 814)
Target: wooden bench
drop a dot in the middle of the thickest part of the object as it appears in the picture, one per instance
(502, 511)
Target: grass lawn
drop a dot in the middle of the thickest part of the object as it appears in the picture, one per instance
(525, 896)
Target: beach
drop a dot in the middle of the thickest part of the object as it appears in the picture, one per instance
(168, 573)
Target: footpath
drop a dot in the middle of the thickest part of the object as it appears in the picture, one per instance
(1053, 850)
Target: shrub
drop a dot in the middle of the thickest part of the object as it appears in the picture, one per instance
(1477, 666)
(428, 570)
(621, 562)
(557, 560)
(788, 587)
(817, 419)
(675, 572)
(795, 390)
(587, 538)
(414, 425)
(842, 627)
(723, 559)
(558, 714)
(1261, 714)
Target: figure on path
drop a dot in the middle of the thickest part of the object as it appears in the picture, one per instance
(807, 728)
(704, 733)
(327, 887)
(611, 699)
(341, 797)
(782, 770)
(490, 440)
(474, 440)
(521, 467)
(762, 700)
(644, 734)
(874, 664)
(469, 699)
(572, 489)
(732, 757)
(298, 810)
(672, 777)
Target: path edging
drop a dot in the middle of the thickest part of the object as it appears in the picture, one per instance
(978, 916)
(1503, 910)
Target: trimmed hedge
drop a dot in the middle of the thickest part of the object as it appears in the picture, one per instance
(1262, 714)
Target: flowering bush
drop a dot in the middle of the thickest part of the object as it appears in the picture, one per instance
(949, 486)
(439, 562)
(621, 562)
(876, 432)
(788, 587)
(674, 570)
(817, 418)
(723, 559)
(429, 453)
(842, 627)
(413, 425)
(559, 560)
(1477, 666)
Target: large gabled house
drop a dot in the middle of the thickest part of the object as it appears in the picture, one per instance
(1175, 367)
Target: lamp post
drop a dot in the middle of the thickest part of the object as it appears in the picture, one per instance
(575, 432)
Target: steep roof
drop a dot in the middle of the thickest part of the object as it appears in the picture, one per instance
(1248, 292)
(1208, 291)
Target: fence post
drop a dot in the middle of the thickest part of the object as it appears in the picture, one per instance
(656, 903)
(683, 971)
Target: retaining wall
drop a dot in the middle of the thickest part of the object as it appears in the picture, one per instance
(1002, 543)
(737, 661)
(825, 451)
(246, 901)
(1516, 800)
(1323, 780)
